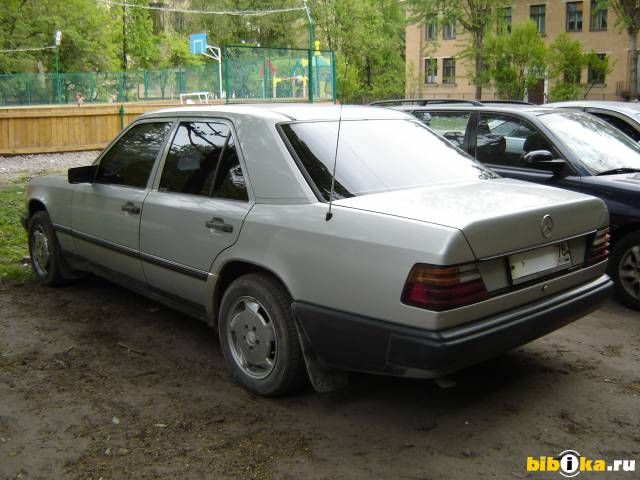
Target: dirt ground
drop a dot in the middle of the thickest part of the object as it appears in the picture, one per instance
(97, 382)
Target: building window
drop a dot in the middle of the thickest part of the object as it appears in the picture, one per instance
(449, 71)
(505, 20)
(537, 14)
(598, 17)
(596, 76)
(430, 70)
(430, 30)
(449, 30)
(574, 17)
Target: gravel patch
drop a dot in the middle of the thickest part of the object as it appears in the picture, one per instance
(19, 166)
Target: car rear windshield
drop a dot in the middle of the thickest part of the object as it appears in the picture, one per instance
(377, 155)
(597, 145)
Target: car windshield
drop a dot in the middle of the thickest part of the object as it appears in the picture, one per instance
(378, 155)
(597, 145)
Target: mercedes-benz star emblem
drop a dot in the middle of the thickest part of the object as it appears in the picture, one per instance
(546, 226)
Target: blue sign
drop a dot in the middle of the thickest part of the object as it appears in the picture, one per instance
(198, 43)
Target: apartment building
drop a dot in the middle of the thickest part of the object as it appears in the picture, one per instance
(434, 69)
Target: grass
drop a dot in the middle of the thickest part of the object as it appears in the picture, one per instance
(13, 238)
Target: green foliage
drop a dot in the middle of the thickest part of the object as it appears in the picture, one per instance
(599, 65)
(368, 39)
(566, 60)
(176, 52)
(13, 239)
(564, 91)
(515, 61)
(86, 35)
(139, 46)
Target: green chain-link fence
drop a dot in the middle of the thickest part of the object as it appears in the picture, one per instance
(130, 86)
(249, 74)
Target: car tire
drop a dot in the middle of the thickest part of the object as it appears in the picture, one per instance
(258, 336)
(44, 251)
(624, 268)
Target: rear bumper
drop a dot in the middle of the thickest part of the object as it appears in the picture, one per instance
(350, 342)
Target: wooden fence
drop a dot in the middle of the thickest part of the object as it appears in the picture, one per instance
(63, 128)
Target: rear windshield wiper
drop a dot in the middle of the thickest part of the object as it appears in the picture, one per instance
(619, 170)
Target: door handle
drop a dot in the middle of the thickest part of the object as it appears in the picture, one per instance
(130, 208)
(217, 223)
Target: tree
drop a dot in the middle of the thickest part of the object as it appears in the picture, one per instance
(368, 39)
(565, 59)
(599, 65)
(139, 45)
(477, 17)
(515, 61)
(628, 12)
(86, 35)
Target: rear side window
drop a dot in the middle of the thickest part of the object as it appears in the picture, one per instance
(377, 156)
(130, 160)
(193, 158)
(230, 182)
(202, 160)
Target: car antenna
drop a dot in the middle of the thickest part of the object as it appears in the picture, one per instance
(335, 161)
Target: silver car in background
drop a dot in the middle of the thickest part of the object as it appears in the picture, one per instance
(427, 263)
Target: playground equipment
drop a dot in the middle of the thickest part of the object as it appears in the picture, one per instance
(269, 73)
(278, 74)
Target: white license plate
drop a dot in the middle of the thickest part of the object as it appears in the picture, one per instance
(539, 262)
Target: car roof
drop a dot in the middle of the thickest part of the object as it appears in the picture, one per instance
(283, 112)
(629, 108)
(496, 107)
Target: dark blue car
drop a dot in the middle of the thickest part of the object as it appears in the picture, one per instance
(563, 148)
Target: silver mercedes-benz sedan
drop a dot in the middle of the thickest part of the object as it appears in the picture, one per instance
(323, 239)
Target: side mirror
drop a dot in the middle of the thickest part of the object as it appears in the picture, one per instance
(82, 174)
(543, 159)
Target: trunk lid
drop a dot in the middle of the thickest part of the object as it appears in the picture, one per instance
(496, 216)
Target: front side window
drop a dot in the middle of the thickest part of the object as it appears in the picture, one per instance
(451, 125)
(598, 146)
(598, 16)
(430, 70)
(505, 140)
(449, 71)
(377, 156)
(537, 13)
(129, 162)
(202, 160)
(574, 17)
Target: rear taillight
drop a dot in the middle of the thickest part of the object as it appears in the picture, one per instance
(443, 288)
(599, 250)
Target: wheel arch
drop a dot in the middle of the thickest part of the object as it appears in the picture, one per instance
(229, 272)
(620, 232)
(35, 205)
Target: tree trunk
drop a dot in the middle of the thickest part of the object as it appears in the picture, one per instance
(477, 46)
(633, 64)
